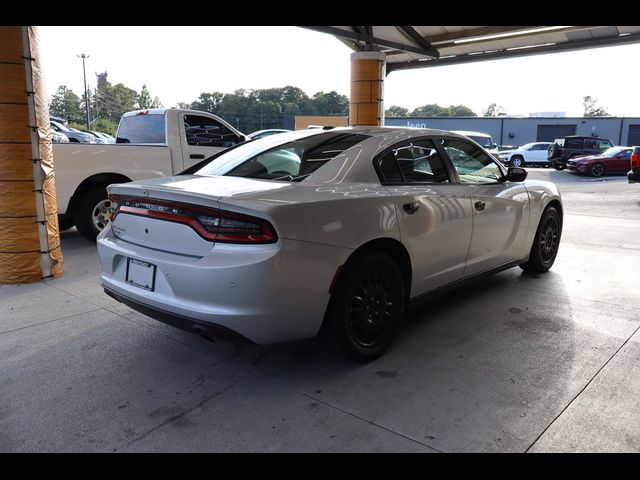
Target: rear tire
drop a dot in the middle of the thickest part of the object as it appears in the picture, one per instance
(367, 306)
(545, 243)
(92, 212)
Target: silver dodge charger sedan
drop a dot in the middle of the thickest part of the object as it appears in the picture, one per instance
(335, 228)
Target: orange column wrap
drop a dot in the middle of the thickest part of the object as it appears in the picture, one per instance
(366, 106)
(29, 236)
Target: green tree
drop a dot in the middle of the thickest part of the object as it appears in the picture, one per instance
(183, 105)
(104, 125)
(331, 103)
(66, 104)
(591, 108)
(208, 102)
(494, 110)
(145, 100)
(461, 111)
(430, 110)
(111, 101)
(396, 111)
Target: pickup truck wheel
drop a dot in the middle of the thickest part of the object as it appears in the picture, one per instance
(92, 213)
(559, 166)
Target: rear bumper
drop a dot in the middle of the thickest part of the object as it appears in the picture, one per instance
(266, 293)
(633, 175)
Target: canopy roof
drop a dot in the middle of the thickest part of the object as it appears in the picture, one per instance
(429, 46)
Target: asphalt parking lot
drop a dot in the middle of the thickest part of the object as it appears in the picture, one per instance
(513, 363)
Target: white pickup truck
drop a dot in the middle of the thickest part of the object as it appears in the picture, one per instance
(150, 143)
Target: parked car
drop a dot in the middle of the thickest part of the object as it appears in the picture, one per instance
(534, 153)
(564, 148)
(58, 137)
(151, 143)
(264, 133)
(99, 138)
(612, 160)
(73, 134)
(354, 224)
(109, 138)
(633, 175)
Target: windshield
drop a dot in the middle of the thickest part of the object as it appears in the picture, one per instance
(273, 158)
(612, 152)
(60, 126)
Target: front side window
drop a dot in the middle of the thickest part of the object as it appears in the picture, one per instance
(416, 161)
(471, 163)
(207, 132)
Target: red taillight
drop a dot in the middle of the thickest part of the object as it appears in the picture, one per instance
(210, 223)
(635, 160)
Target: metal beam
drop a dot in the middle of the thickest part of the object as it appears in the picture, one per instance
(366, 38)
(416, 37)
(562, 47)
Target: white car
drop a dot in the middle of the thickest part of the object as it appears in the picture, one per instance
(274, 238)
(534, 153)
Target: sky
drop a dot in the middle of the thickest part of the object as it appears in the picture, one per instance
(179, 63)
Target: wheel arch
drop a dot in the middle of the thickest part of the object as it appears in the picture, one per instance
(92, 182)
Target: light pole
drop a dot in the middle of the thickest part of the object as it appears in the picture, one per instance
(86, 94)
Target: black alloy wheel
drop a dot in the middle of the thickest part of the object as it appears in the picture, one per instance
(546, 242)
(367, 306)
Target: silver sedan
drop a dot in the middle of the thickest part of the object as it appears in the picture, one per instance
(340, 229)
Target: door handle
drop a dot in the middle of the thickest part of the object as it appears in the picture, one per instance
(411, 208)
(196, 155)
(480, 206)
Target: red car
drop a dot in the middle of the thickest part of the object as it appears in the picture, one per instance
(612, 160)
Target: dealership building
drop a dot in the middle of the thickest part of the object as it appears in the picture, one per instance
(517, 131)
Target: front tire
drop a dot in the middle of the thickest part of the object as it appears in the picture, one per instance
(92, 213)
(597, 170)
(545, 243)
(366, 309)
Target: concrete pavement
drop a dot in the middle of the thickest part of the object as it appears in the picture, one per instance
(512, 363)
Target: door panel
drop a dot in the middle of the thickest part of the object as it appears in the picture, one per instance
(437, 235)
(499, 229)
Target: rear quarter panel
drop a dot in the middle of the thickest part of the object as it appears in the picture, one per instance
(76, 162)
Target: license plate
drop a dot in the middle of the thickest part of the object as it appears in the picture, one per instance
(141, 274)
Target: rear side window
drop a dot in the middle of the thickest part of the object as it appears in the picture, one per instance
(413, 162)
(573, 143)
(142, 128)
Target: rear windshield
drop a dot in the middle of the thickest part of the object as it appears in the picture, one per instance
(142, 128)
(291, 161)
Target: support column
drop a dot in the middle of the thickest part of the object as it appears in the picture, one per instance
(29, 236)
(366, 106)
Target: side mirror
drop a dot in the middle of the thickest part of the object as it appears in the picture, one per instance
(516, 174)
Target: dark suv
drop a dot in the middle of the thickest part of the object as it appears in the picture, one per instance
(562, 149)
